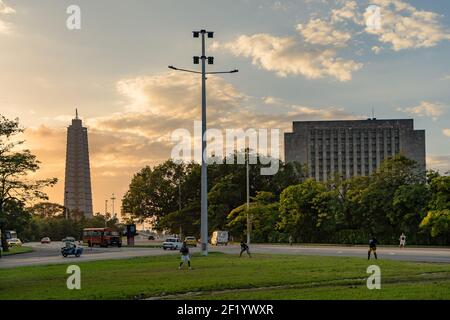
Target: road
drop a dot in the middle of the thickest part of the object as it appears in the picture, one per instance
(45, 254)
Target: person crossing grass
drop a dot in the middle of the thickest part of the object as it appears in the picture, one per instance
(372, 248)
(185, 256)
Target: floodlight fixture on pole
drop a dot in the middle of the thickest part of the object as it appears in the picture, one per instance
(204, 234)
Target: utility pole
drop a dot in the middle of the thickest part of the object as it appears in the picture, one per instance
(249, 220)
(179, 205)
(113, 198)
(204, 179)
(106, 211)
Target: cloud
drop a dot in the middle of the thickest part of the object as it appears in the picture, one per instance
(348, 12)
(154, 106)
(426, 109)
(318, 31)
(289, 56)
(376, 49)
(446, 132)
(440, 163)
(402, 25)
(5, 27)
(158, 104)
(4, 9)
(405, 27)
(315, 54)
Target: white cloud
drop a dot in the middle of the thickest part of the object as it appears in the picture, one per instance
(376, 49)
(446, 132)
(349, 12)
(4, 9)
(405, 27)
(5, 27)
(440, 163)
(426, 109)
(318, 31)
(288, 56)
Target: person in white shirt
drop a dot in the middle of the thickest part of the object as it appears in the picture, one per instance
(402, 240)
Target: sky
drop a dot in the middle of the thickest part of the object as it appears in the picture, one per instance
(298, 60)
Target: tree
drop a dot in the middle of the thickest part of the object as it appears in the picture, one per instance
(154, 192)
(264, 210)
(379, 216)
(47, 209)
(437, 221)
(409, 208)
(15, 167)
(298, 210)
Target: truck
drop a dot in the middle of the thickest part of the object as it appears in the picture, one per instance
(219, 238)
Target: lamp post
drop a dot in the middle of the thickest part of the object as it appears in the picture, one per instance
(113, 198)
(179, 205)
(204, 188)
(106, 211)
(249, 220)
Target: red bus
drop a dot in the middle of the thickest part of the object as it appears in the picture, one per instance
(103, 237)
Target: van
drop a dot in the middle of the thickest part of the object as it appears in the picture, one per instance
(219, 238)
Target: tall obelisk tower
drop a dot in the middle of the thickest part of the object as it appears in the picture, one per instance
(77, 184)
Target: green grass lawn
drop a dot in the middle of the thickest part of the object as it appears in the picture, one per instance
(17, 250)
(222, 276)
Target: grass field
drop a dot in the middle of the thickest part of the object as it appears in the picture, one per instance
(17, 250)
(222, 276)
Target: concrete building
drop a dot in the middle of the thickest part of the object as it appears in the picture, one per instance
(77, 184)
(354, 147)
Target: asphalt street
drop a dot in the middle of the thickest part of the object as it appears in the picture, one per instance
(45, 254)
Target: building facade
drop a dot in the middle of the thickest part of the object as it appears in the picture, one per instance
(352, 147)
(77, 184)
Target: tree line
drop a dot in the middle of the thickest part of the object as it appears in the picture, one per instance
(395, 198)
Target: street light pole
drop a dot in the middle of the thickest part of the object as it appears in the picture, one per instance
(249, 222)
(179, 204)
(204, 179)
(106, 211)
(113, 198)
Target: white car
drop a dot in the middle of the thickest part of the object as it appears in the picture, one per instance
(172, 244)
(14, 242)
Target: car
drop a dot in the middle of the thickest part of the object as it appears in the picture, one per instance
(172, 244)
(191, 241)
(45, 240)
(151, 237)
(14, 242)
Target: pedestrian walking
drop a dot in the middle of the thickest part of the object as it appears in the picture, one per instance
(402, 240)
(372, 248)
(244, 248)
(185, 256)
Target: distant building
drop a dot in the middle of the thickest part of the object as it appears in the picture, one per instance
(352, 148)
(77, 185)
